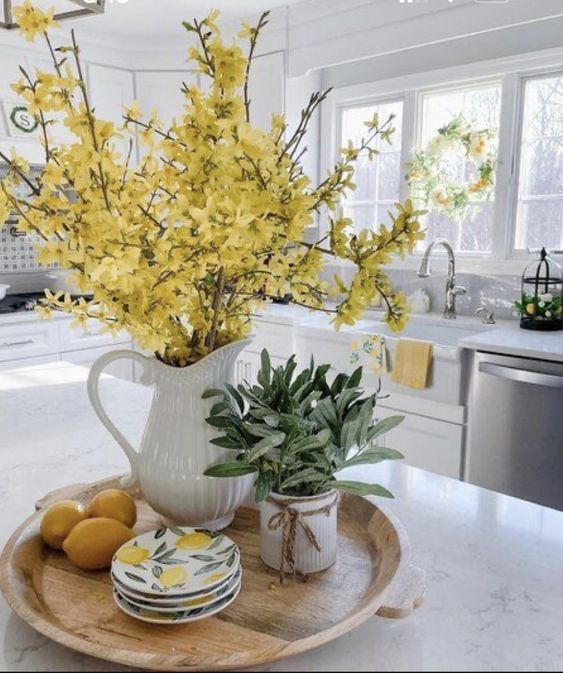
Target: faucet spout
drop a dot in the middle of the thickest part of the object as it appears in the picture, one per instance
(452, 289)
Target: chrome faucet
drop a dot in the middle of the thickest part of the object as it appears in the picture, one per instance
(452, 289)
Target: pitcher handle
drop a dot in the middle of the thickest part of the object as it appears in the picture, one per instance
(94, 394)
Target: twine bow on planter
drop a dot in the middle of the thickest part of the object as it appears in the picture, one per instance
(290, 520)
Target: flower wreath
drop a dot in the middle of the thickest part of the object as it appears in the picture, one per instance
(430, 172)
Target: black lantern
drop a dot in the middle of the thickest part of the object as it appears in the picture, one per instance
(542, 295)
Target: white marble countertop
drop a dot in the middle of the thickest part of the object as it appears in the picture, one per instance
(511, 340)
(495, 596)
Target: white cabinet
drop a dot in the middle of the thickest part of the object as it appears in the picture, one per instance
(122, 369)
(73, 339)
(19, 340)
(267, 89)
(426, 443)
(162, 91)
(111, 90)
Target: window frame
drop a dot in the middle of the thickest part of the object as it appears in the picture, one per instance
(514, 203)
(370, 102)
(512, 72)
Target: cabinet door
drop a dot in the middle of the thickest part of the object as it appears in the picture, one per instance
(426, 443)
(162, 91)
(267, 89)
(76, 339)
(111, 90)
(122, 369)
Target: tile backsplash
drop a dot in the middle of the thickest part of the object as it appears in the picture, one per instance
(18, 254)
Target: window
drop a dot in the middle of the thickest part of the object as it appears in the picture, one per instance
(379, 180)
(539, 219)
(481, 105)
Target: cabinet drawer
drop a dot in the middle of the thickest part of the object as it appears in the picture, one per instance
(76, 339)
(426, 443)
(28, 339)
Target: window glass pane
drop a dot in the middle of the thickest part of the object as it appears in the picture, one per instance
(378, 181)
(364, 216)
(540, 199)
(481, 106)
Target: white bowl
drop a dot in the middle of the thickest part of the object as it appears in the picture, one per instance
(3, 290)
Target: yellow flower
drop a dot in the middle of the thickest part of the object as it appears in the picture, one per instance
(32, 21)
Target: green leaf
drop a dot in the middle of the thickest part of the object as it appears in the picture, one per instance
(308, 476)
(219, 408)
(372, 457)
(317, 441)
(177, 531)
(212, 392)
(135, 578)
(265, 445)
(384, 426)
(358, 488)
(226, 470)
(258, 430)
(263, 487)
(161, 549)
(266, 367)
(209, 568)
(161, 532)
(157, 572)
(220, 422)
(226, 443)
(350, 429)
(356, 378)
(233, 392)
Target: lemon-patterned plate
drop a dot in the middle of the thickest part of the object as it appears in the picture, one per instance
(173, 562)
(203, 600)
(183, 617)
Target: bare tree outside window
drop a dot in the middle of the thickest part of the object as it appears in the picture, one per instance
(378, 181)
(540, 195)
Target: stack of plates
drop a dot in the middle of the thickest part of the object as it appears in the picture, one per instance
(176, 575)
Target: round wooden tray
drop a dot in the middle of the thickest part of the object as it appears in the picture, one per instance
(266, 623)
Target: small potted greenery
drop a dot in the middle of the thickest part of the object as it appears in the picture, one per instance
(295, 433)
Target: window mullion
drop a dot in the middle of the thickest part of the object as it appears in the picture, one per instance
(507, 168)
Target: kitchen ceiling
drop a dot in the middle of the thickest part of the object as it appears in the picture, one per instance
(146, 19)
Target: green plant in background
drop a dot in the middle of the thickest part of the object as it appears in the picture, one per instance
(543, 305)
(296, 432)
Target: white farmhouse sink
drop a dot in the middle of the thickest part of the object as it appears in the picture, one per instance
(440, 332)
(447, 377)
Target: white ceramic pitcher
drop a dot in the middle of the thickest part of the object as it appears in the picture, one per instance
(176, 449)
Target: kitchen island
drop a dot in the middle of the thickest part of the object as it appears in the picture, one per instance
(494, 600)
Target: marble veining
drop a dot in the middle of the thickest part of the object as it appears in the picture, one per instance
(495, 596)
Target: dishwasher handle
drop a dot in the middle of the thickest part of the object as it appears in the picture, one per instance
(521, 375)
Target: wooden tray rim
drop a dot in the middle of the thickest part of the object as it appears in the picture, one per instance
(367, 608)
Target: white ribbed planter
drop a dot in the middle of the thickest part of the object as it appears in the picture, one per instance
(176, 450)
(308, 559)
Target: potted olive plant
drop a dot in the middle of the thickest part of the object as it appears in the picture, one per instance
(295, 433)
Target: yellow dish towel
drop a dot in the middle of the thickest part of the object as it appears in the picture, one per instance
(368, 352)
(413, 360)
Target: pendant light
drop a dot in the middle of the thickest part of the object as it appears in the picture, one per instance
(64, 9)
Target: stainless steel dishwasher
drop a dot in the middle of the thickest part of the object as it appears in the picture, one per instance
(515, 428)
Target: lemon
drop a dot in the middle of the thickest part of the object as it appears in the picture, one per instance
(114, 504)
(92, 543)
(216, 578)
(132, 556)
(194, 541)
(195, 602)
(59, 520)
(173, 577)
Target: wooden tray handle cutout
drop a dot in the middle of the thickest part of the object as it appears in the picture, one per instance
(405, 595)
